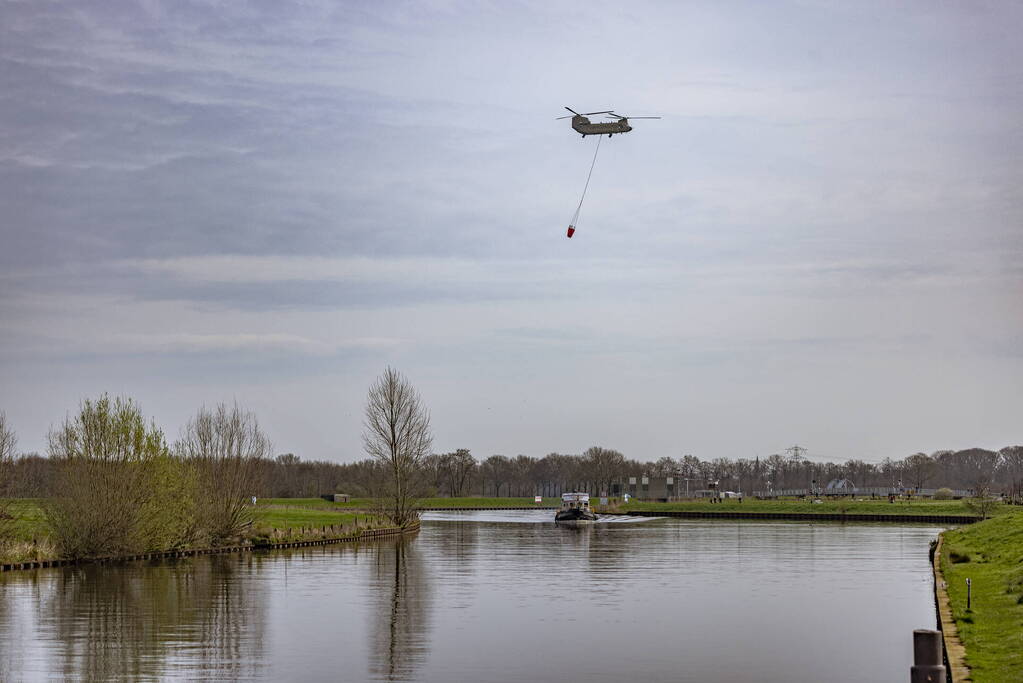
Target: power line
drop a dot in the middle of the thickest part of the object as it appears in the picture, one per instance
(796, 452)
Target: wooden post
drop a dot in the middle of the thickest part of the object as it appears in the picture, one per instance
(927, 657)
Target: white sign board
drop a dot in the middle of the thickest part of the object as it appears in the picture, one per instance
(537, 499)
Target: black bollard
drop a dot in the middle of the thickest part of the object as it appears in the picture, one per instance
(927, 657)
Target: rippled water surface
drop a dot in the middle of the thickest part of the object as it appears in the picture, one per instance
(494, 596)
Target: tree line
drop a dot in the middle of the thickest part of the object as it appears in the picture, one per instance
(459, 473)
(222, 457)
(596, 469)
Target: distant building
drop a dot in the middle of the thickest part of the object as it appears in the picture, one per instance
(336, 497)
(839, 487)
(659, 488)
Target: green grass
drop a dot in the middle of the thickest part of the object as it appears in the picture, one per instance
(29, 522)
(29, 537)
(864, 507)
(367, 503)
(990, 553)
(295, 517)
(488, 502)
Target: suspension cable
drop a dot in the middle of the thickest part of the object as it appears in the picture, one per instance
(579, 208)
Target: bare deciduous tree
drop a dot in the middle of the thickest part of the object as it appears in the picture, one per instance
(497, 470)
(982, 504)
(454, 471)
(31, 476)
(605, 466)
(8, 442)
(224, 446)
(1011, 467)
(919, 467)
(397, 434)
(976, 467)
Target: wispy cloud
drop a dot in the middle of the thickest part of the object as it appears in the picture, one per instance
(831, 203)
(204, 343)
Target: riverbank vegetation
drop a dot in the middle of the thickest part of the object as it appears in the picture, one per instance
(111, 482)
(459, 474)
(432, 502)
(119, 489)
(785, 505)
(32, 537)
(292, 523)
(990, 554)
(866, 506)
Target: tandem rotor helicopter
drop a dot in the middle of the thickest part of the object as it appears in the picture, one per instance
(582, 125)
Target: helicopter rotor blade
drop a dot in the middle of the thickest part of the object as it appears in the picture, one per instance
(591, 113)
(573, 111)
(564, 117)
(619, 116)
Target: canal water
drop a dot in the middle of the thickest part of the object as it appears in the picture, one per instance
(493, 596)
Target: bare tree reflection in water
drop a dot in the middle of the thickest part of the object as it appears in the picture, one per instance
(453, 552)
(401, 602)
(144, 621)
(18, 600)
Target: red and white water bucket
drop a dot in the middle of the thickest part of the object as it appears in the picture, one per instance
(571, 231)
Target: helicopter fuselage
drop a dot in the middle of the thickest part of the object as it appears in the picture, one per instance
(582, 125)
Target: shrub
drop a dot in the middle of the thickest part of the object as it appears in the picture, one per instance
(119, 492)
(222, 448)
(943, 494)
(26, 551)
(982, 505)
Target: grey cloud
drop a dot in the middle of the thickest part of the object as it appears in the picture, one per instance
(833, 184)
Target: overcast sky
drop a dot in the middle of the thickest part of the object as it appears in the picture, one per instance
(820, 243)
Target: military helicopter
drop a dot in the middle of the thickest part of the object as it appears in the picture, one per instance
(582, 125)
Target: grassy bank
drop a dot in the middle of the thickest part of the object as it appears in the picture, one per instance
(274, 517)
(29, 538)
(864, 507)
(29, 523)
(31, 534)
(860, 507)
(989, 553)
(367, 503)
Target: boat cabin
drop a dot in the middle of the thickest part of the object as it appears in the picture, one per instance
(571, 501)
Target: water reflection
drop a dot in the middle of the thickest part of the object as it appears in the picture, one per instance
(501, 599)
(400, 614)
(141, 621)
